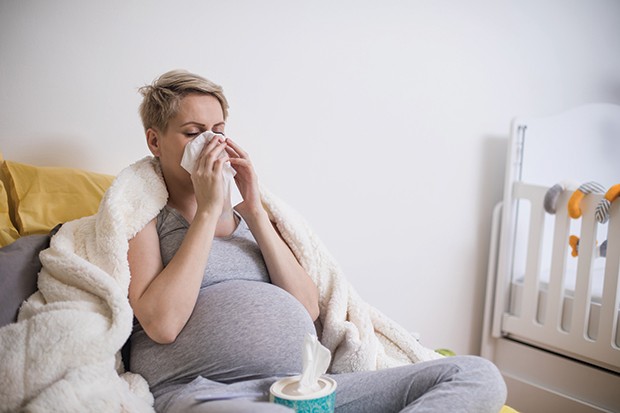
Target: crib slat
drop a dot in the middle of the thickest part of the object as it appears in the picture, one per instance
(583, 286)
(557, 275)
(532, 267)
(609, 304)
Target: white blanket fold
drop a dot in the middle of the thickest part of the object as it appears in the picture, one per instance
(63, 353)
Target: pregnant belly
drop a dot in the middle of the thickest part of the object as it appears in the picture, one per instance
(239, 330)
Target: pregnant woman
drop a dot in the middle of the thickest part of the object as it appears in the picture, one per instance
(221, 303)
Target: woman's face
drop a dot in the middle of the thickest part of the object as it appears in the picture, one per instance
(197, 114)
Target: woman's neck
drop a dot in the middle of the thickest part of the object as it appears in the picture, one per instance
(227, 222)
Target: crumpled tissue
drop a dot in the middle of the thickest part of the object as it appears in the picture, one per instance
(315, 359)
(193, 149)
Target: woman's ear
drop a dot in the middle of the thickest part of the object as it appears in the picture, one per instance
(152, 140)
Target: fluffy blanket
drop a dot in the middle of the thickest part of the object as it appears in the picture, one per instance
(63, 353)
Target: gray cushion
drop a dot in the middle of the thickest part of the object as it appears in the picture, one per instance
(19, 268)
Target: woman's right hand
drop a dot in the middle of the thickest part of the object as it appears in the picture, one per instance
(207, 178)
(163, 298)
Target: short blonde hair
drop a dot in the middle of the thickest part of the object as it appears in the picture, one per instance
(161, 99)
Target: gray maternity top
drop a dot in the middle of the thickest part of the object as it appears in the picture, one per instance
(242, 327)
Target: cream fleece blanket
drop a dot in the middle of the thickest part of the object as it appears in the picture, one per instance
(63, 353)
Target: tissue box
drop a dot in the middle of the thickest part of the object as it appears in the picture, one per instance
(284, 392)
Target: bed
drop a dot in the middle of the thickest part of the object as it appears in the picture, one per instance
(552, 306)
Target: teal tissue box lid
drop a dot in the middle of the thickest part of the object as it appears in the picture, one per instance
(324, 404)
(323, 401)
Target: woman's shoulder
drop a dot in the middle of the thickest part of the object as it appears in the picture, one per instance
(145, 234)
(169, 219)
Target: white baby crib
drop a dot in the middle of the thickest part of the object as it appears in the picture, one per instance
(552, 321)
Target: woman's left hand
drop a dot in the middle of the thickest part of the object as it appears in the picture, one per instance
(246, 179)
(284, 269)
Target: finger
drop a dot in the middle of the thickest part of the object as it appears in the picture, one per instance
(231, 152)
(220, 151)
(237, 162)
(212, 144)
(203, 158)
(218, 166)
(232, 144)
(217, 151)
(211, 154)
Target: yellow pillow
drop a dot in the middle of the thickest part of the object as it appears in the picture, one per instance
(42, 197)
(8, 233)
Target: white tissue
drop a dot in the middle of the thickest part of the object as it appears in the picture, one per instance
(316, 359)
(193, 149)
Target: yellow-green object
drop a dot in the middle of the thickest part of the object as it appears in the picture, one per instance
(445, 352)
(507, 409)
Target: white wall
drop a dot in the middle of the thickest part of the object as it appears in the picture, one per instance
(383, 122)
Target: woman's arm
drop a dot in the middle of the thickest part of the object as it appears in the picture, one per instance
(163, 298)
(284, 269)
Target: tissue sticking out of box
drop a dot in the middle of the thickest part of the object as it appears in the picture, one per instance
(316, 359)
(310, 391)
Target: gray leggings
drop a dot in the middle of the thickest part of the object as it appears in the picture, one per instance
(452, 384)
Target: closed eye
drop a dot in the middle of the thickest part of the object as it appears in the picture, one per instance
(192, 134)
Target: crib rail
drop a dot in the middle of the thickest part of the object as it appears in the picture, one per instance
(551, 332)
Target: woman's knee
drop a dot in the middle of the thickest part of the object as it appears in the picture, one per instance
(488, 372)
(486, 377)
